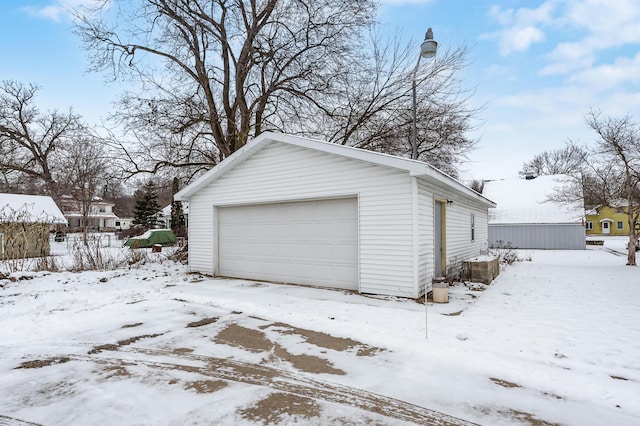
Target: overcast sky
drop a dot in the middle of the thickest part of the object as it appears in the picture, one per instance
(538, 66)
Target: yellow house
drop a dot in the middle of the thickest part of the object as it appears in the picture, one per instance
(607, 220)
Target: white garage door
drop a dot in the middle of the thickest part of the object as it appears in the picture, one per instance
(311, 242)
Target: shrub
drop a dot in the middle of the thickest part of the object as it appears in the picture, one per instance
(505, 253)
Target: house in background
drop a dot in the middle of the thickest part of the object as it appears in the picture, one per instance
(165, 215)
(294, 210)
(608, 220)
(122, 224)
(26, 222)
(526, 218)
(99, 218)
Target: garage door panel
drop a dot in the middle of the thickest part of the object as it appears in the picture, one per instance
(301, 273)
(298, 233)
(312, 243)
(320, 252)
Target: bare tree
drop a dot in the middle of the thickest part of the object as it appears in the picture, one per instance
(86, 169)
(373, 108)
(569, 160)
(50, 153)
(477, 185)
(215, 73)
(618, 146)
(31, 141)
(221, 71)
(576, 162)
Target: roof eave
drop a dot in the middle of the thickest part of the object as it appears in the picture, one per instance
(415, 168)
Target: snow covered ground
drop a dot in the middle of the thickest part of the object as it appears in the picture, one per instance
(554, 340)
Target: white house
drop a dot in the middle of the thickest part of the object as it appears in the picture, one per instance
(527, 218)
(100, 216)
(123, 223)
(294, 210)
(165, 214)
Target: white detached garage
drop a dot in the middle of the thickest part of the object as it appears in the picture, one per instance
(295, 210)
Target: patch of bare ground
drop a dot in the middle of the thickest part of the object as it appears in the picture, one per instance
(519, 416)
(504, 383)
(202, 322)
(182, 351)
(619, 378)
(552, 395)
(454, 314)
(278, 406)
(256, 341)
(120, 343)
(135, 324)
(116, 371)
(325, 340)
(206, 386)
(246, 338)
(39, 363)
(307, 363)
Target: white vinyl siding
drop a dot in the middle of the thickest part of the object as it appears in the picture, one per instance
(457, 230)
(459, 244)
(282, 172)
(203, 237)
(426, 235)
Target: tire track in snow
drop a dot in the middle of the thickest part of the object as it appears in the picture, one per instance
(285, 381)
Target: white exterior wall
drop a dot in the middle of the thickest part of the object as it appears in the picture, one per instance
(426, 254)
(459, 244)
(457, 230)
(282, 172)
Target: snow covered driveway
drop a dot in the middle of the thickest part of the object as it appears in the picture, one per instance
(551, 341)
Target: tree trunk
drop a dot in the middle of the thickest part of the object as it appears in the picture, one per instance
(633, 236)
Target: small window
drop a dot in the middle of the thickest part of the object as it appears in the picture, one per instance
(103, 210)
(620, 225)
(473, 227)
(589, 225)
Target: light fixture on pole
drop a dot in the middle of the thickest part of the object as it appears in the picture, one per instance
(428, 49)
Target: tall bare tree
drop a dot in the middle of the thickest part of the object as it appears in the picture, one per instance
(220, 71)
(31, 141)
(618, 148)
(373, 108)
(214, 73)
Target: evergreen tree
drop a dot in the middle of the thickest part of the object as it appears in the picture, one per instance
(146, 209)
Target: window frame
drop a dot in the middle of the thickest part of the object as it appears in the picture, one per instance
(473, 227)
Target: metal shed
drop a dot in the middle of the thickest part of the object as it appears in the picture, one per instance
(526, 217)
